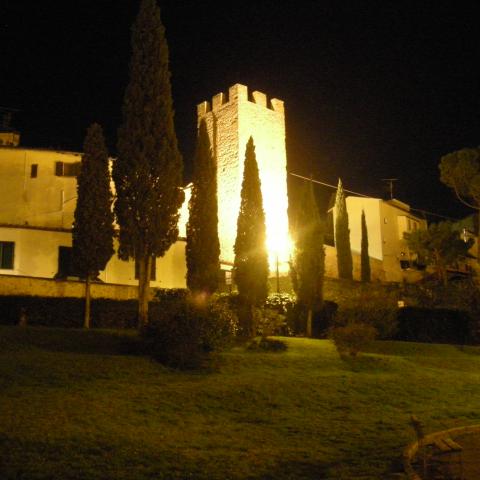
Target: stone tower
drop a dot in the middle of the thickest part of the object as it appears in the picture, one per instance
(230, 123)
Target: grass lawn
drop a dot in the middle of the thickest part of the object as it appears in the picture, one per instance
(76, 405)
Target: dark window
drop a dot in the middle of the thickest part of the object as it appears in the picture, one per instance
(153, 275)
(33, 170)
(404, 264)
(65, 263)
(6, 255)
(63, 169)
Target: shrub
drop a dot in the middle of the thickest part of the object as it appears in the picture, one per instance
(267, 345)
(352, 338)
(186, 333)
(276, 314)
(384, 320)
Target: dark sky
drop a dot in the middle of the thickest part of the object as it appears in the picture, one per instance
(372, 90)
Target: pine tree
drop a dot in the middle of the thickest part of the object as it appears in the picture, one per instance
(251, 259)
(342, 236)
(309, 260)
(203, 246)
(148, 171)
(364, 257)
(93, 224)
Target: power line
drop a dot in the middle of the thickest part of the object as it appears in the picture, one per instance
(326, 184)
(425, 212)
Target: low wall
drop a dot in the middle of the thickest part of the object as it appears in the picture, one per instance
(45, 287)
(331, 270)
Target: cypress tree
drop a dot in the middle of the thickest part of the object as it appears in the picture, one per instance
(251, 258)
(148, 171)
(342, 236)
(92, 234)
(364, 257)
(203, 246)
(309, 260)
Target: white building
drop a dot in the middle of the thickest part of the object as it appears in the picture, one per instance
(38, 192)
(387, 221)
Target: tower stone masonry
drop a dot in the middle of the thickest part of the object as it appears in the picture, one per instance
(230, 122)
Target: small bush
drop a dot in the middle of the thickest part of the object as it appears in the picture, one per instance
(184, 335)
(267, 345)
(277, 315)
(384, 320)
(352, 338)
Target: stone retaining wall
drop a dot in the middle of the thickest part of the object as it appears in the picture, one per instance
(44, 287)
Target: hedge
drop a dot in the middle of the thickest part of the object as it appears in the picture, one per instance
(68, 312)
(435, 325)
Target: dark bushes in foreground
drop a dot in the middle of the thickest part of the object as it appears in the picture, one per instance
(186, 331)
(67, 312)
(439, 325)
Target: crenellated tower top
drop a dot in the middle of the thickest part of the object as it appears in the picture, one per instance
(239, 94)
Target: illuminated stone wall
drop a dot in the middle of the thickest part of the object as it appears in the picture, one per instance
(230, 122)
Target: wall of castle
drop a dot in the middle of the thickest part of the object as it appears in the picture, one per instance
(230, 123)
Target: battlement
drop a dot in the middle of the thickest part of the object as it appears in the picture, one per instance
(239, 94)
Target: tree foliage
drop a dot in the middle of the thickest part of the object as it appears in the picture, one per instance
(148, 171)
(92, 233)
(203, 246)
(440, 245)
(364, 257)
(251, 259)
(342, 235)
(460, 171)
(309, 258)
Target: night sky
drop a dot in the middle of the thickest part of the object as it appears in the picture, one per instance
(372, 91)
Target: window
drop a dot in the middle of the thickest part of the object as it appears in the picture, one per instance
(63, 169)
(65, 263)
(6, 255)
(33, 170)
(153, 275)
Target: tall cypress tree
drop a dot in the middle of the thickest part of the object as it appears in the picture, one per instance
(203, 246)
(92, 232)
(342, 236)
(148, 171)
(309, 259)
(251, 258)
(364, 257)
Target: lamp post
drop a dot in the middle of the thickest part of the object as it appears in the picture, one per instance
(277, 272)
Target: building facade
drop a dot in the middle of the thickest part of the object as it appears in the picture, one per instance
(387, 221)
(38, 191)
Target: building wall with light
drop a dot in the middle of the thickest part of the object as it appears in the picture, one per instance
(387, 221)
(231, 120)
(38, 192)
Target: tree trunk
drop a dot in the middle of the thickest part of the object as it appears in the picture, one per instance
(309, 322)
(144, 268)
(478, 238)
(86, 318)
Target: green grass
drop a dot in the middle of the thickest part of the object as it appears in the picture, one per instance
(80, 405)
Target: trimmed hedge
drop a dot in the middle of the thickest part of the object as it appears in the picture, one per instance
(435, 325)
(68, 312)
